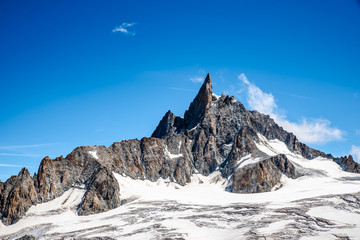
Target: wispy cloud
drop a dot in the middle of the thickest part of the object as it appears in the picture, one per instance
(196, 79)
(9, 165)
(318, 131)
(299, 96)
(125, 28)
(199, 77)
(355, 152)
(183, 89)
(357, 132)
(21, 155)
(28, 146)
(257, 99)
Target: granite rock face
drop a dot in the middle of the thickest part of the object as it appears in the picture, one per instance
(262, 176)
(200, 105)
(18, 194)
(168, 125)
(242, 146)
(348, 164)
(26, 237)
(216, 133)
(267, 127)
(102, 193)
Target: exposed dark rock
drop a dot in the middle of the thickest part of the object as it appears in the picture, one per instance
(348, 164)
(205, 154)
(200, 104)
(18, 194)
(242, 146)
(168, 125)
(102, 193)
(127, 158)
(267, 127)
(26, 237)
(262, 176)
(55, 177)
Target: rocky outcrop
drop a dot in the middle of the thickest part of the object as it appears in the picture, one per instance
(200, 105)
(242, 146)
(26, 237)
(18, 194)
(168, 126)
(102, 193)
(54, 177)
(152, 158)
(266, 126)
(348, 164)
(262, 176)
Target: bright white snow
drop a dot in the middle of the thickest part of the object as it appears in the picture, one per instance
(94, 154)
(170, 155)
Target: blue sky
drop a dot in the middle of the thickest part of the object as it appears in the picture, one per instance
(78, 73)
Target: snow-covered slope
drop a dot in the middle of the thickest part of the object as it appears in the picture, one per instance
(322, 204)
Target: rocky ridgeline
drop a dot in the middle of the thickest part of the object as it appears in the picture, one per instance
(215, 133)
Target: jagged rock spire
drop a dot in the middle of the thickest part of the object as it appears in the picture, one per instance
(200, 104)
(168, 125)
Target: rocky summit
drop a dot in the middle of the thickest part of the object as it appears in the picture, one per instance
(216, 135)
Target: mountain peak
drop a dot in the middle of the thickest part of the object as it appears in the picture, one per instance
(200, 104)
(208, 79)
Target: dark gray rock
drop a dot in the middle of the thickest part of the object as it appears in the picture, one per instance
(18, 194)
(54, 177)
(242, 146)
(267, 127)
(26, 237)
(102, 193)
(262, 176)
(200, 105)
(348, 164)
(168, 126)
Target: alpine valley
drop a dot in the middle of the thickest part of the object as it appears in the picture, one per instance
(219, 172)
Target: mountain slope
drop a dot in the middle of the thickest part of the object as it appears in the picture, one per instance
(247, 150)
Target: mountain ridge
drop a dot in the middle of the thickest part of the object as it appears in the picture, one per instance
(217, 133)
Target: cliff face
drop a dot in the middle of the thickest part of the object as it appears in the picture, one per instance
(18, 194)
(263, 176)
(215, 134)
(348, 164)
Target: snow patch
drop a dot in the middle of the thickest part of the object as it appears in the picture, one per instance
(93, 153)
(170, 155)
(247, 160)
(272, 147)
(194, 127)
(216, 96)
(334, 214)
(57, 211)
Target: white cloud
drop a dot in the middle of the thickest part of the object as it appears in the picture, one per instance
(199, 77)
(312, 130)
(9, 165)
(357, 132)
(257, 99)
(318, 131)
(125, 28)
(183, 89)
(21, 155)
(196, 79)
(27, 146)
(355, 152)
